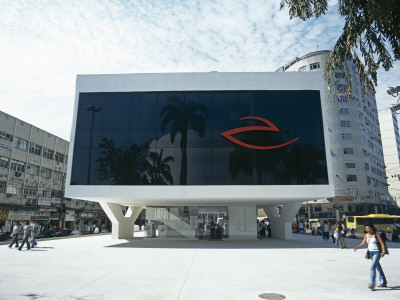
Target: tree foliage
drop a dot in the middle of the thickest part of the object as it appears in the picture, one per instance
(370, 37)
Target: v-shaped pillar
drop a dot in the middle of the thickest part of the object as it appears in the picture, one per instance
(122, 226)
(281, 224)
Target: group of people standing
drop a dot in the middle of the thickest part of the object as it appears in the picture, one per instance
(28, 231)
(336, 231)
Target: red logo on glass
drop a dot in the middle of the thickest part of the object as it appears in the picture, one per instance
(269, 127)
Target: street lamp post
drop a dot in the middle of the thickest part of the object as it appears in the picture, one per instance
(93, 109)
(62, 200)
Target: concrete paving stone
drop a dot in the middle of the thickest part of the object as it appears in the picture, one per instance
(97, 267)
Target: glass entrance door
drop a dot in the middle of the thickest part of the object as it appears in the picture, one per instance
(212, 223)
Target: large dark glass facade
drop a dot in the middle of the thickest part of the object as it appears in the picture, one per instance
(175, 138)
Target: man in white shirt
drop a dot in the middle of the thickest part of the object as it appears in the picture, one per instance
(15, 234)
(27, 234)
(34, 231)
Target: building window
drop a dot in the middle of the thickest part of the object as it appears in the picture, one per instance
(3, 186)
(17, 166)
(32, 169)
(348, 150)
(6, 137)
(35, 149)
(49, 154)
(30, 191)
(343, 99)
(353, 192)
(345, 123)
(350, 165)
(57, 176)
(303, 68)
(339, 75)
(347, 136)
(340, 86)
(363, 140)
(314, 66)
(4, 162)
(351, 178)
(45, 173)
(14, 189)
(20, 144)
(343, 111)
(55, 194)
(59, 157)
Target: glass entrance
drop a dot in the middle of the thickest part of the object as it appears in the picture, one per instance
(212, 223)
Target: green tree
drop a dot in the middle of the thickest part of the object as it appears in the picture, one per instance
(179, 114)
(371, 29)
(159, 169)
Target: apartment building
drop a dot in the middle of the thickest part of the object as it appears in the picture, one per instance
(391, 151)
(33, 164)
(359, 171)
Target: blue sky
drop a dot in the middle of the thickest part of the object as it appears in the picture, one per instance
(45, 44)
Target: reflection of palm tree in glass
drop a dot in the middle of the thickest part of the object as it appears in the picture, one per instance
(179, 114)
(265, 162)
(307, 164)
(122, 166)
(159, 169)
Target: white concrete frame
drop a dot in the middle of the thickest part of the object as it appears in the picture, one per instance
(229, 195)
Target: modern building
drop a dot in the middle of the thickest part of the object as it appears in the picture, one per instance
(33, 165)
(358, 166)
(200, 151)
(391, 151)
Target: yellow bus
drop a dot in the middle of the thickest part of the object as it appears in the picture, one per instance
(380, 221)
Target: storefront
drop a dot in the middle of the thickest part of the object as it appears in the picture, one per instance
(3, 219)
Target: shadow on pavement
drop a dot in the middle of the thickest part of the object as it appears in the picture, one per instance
(389, 288)
(298, 242)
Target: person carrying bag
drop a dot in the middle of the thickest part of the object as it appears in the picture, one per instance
(376, 249)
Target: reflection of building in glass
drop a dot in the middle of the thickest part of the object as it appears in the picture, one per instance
(356, 144)
(182, 145)
(33, 164)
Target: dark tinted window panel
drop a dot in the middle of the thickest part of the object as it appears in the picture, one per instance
(158, 138)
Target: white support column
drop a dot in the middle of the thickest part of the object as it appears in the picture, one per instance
(122, 226)
(242, 222)
(281, 225)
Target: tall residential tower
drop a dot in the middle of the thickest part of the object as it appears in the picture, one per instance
(356, 146)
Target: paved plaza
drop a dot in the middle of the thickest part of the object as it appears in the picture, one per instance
(97, 267)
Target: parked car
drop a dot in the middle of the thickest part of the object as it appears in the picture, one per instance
(5, 236)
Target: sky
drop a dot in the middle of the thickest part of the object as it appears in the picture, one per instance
(45, 44)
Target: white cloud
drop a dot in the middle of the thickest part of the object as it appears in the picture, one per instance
(43, 45)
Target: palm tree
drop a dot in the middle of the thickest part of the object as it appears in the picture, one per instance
(179, 114)
(159, 169)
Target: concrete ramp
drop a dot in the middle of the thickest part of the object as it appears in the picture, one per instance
(172, 221)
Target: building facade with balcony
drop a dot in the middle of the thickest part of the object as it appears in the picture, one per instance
(356, 145)
(33, 165)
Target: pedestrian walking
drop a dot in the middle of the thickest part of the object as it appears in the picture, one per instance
(15, 234)
(376, 249)
(332, 229)
(302, 229)
(325, 231)
(34, 231)
(344, 231)
(27, 234)
(338, 235)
